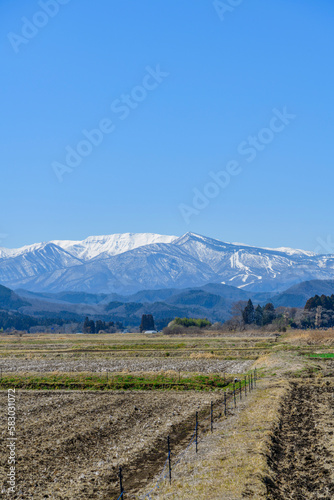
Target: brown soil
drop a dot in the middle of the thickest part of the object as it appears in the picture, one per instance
(69, 445)
(14, 364)
(302, 462)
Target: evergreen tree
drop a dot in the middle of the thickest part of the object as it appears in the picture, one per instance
(311, 303)
(269, 313)
(89, 326)
(258, 316)
(147, 323)
(86, 328)
(248, 313)
(325, 302)
(100, 325)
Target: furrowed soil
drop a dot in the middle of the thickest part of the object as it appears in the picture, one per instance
(278, 444)
(15, 364)
(69, 444)
(302, 462)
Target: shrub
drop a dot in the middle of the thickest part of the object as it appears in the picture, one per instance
(187, 322)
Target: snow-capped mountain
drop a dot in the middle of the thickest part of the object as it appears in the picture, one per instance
(126, 263)
(113, 244)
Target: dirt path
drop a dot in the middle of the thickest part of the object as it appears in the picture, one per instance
(303, 453)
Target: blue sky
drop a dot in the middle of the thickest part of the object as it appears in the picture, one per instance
(221, 77)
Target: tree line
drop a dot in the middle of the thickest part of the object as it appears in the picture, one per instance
(23, 322)
(261, 316)
(91, 326)
(247, 316)
(323, 301)
(318, 312)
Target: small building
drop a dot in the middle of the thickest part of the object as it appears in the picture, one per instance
(151, 331)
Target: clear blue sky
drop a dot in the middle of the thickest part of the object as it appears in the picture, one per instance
(225, 77)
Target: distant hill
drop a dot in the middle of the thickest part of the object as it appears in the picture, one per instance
(297, 295)
(150, 295)
(71, 297)
(213, 301)
(231, 293)
(9, 299)
(198, 298)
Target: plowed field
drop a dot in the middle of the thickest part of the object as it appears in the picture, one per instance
(69, 444)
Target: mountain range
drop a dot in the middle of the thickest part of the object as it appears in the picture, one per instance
(213, 301)
(129, 263)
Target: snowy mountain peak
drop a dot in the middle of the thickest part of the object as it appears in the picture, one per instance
(130, 262)
(113, 244)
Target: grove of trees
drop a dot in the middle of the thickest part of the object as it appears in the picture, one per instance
(261, 316)
(91, 326)
(147, 323)
(246, 316)
(317, 313)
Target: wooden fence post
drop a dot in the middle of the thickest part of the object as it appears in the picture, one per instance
(120, 475)
(225, 410)
(169, 462)
(196, 431)
(211, 416)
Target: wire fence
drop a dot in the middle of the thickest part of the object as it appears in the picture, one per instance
(240, 390)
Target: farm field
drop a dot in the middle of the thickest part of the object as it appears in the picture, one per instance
(275, 442)
(69, 444)
(303, 453)
(127, 365)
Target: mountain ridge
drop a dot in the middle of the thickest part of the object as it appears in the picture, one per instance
(213, 301)
(130, 262)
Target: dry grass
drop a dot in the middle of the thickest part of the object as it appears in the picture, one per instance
(202, 355)
(231, 463)
(310, 337)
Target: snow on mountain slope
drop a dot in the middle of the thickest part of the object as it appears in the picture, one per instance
(292, 251)
(126, 263)
(257, 269)
(155, 266)
(113, 244)
(34, 261)
(4, 253)
(287, 250)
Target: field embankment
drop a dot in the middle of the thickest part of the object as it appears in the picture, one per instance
(231, 463)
